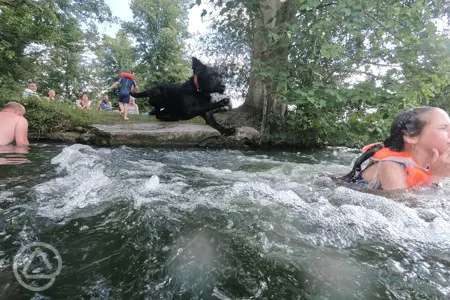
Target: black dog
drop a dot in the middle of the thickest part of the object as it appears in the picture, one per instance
(174, 102)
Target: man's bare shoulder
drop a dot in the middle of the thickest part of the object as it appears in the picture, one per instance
(10, 116)
(21, 131)
(21, 121)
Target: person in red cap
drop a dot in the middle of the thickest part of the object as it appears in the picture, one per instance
(126, 85)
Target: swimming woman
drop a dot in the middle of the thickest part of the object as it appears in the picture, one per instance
(416, 154)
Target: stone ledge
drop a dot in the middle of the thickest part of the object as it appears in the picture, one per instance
(160, 134)
(155, 134)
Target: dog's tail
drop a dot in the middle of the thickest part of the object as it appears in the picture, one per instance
(154, 95)
(153, 92)
(147, 93)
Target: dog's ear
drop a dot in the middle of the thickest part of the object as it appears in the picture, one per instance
(197, 66)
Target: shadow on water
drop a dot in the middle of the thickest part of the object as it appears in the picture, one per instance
(201, 224)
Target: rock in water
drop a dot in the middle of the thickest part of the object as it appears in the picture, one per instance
(247, 133)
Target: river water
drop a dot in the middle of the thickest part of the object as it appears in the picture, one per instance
(219, 224)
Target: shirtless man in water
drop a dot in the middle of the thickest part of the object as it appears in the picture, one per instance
(13, 125)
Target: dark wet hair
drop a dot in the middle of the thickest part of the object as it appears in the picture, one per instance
(408, 122)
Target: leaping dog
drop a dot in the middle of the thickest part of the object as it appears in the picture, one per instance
(174, 102)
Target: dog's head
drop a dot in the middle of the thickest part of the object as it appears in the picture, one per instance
(209, 79)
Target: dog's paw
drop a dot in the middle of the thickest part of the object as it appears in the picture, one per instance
(229, 131)
(225, 101)
(226, 104)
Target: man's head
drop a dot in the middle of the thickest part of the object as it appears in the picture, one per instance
(14, 107)
(32, 86)
(51, 93)
(84, 97)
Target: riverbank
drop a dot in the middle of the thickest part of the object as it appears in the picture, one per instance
(63, 122)
(155, 134)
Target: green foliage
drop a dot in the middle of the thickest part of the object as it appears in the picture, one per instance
(46, 117)
(352, 65)
(44, 40)
(115, 55)
(158, 29)
(55, 43)
(347, 66)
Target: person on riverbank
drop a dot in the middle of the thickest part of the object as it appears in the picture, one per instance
(416, 154)
(13, 125)
(126, 85)
(51, 96)
(105, 104)
(84, 103)
(31, 89)
(133, 108)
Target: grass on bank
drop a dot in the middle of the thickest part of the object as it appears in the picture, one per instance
(45, 117)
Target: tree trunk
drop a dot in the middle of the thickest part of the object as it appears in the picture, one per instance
(270, 49)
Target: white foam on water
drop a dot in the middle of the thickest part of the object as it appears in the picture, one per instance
(79, 156)
(341, 216)
(288, 203)
(334, 216)
(89, 177)
(82, 182)
(152, 183)
(399, 219)
(6, 196)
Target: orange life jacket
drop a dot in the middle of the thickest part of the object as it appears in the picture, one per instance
(415, 175)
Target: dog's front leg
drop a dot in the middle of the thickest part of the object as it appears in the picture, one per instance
(211, 121)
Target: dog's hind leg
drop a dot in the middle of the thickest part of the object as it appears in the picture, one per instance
(143, 94)
(211, 121)
(155, 98)
(153, 93)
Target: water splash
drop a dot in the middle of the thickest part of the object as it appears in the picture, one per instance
(273, 221)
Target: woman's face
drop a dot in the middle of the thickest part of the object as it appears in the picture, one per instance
(436, 133)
